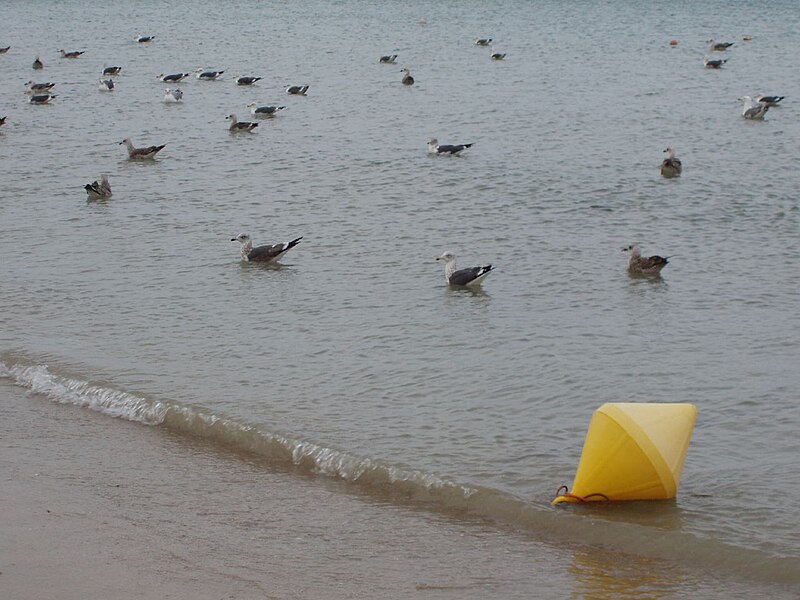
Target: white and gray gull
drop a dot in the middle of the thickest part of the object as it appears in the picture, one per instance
(42, 98)
(246, 80)
(263, 111)
(208, 75)
(753, 110)
(483, 41)
(112, 70)
(434, 147)
(106, 85)
(172, 96)
(265, 254)
(141, 153)
(296, 90)
(388, 59)
(173, 78)
(472, 277)
(240, 126)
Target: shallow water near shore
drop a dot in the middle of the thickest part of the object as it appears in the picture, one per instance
(352, 366)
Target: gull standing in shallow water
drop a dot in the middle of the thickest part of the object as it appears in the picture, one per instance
(671, 166)
(265, 254)
(141, 153)
(753, 110)
(472, 277)
(99, 190)
(648, 266)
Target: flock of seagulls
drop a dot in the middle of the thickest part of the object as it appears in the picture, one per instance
(755, 108)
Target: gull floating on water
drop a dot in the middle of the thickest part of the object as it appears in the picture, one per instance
(246, 80)
(296, 90)
(483, 41)
(99, 190)
(435, 148)
(4, 50)
(3, 121)
(671, 166)
(237, 126)
(112, 70)
(143, 39)
(106, 85)
(718, 46)
(173, 78)
(42, 98)
(172, 96)
(769, 100)
(39, 87)
(38, 64)
(639, 265)
(473, 276)
(496, 55)
(715, 63)
(407, 78)
(73, 54)
(753, 110)
(266, 254)
(388, 59)
(208, 75)
(141, 153)
(263, 111)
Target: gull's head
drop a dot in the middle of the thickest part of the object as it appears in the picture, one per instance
(231, 118)
(447, 257)
(125, 141)
(198, 70)
(632, 248)
(670, 152)
(433, 142)
(405, 70)
(242, 238)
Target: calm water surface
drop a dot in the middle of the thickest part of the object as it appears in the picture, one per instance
(353, 359)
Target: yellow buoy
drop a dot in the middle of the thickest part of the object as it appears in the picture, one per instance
(633, 451)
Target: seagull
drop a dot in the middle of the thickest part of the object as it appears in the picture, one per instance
(39, 87)
(496, 55)
(483, 41)
(407, 78)
(73, 54)
(106, 85)
(143, 39)
(37, 64)
(435, 148)
(247, 80)
(237, 126)
(41, 98)
(173, 78)
(713, 64)
(753, 110)
(388, 59)
(172, 96)
(473, 276)
(99, 190)
(265, 254)
(263, 111)
(671, 166)
(208, 75)
(4, 50)
(112, 70)
(769, 100)
(296, 90)
(718, 46)
(647, 266)
(141, 153)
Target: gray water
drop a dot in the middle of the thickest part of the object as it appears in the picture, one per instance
(354, 359)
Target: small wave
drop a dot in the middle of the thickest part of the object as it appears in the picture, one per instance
(397, 483)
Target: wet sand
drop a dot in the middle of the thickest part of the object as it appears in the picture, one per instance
(96, 507)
